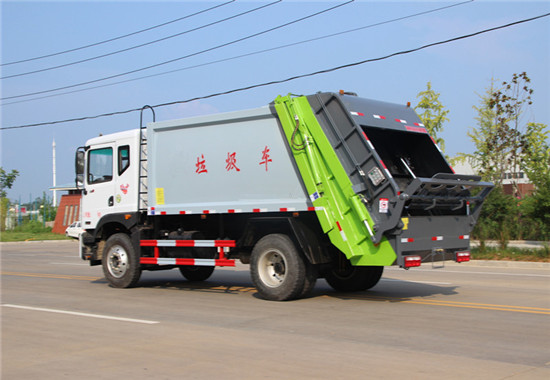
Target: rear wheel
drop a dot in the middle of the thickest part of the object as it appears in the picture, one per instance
(192, 272)
(279, 271)
(196, 273)
(120, 262)
(345, 277)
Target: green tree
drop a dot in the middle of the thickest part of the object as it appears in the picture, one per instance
(535, 150)
(6, 182)
(537, 209)
(536, 164)
(508, 104)
(45, 207)
(501, 139)
(432, 113)
(504, 143)
(489, 149)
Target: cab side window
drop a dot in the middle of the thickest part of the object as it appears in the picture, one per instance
(123, 158)
(100, 165)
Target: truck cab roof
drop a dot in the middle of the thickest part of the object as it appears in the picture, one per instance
(103, 139)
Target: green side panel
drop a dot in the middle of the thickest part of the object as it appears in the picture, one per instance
(340, 210)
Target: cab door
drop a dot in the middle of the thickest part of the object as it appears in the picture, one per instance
(98, 197)
(125, 188)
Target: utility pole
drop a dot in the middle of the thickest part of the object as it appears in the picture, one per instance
(54, 181)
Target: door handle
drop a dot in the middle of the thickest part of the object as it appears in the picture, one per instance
(111, 201)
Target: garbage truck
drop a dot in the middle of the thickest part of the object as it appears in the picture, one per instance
(328, 185)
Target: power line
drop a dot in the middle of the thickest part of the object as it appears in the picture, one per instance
(119, 37)
(184, 57)
(140, 45)
(246, 54)
(264, 84)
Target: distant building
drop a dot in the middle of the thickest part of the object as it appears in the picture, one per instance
(463, 167)
(68, 210)
(523, 186)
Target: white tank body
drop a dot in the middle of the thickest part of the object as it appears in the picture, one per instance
(224, 163)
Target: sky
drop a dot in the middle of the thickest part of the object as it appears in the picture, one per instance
(208, 59)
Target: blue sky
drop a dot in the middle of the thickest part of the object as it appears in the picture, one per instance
(459, 71)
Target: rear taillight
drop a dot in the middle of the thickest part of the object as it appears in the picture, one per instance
(462, 257)
(412, 261)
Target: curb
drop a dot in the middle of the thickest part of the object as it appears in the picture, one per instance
(510, 264)
(524, 244)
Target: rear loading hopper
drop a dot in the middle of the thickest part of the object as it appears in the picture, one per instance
(393, 194)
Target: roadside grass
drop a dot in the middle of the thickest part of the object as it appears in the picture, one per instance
(30, 231)
(11, 236)
(511, 254)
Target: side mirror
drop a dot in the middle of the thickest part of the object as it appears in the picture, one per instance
(79, 167)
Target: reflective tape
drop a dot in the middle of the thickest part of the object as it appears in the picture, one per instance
(188, 262)
(187, 243)
(342, 233)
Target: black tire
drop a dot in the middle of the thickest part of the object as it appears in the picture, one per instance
(192, 272)
(196, 273)
(278, 270)
(345, 277)
(311, 279)
(120, 262)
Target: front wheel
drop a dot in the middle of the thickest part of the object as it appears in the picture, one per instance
(279, 272)
(120, 262)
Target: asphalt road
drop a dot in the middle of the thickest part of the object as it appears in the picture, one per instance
(60, 319)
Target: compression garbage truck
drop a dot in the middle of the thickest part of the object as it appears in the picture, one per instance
(328, 185)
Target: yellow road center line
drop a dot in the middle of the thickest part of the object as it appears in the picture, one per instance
(517, 309)
(47, 275)
(483, 304)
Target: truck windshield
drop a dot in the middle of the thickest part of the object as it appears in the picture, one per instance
(100, 165)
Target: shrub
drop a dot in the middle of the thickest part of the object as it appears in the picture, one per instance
(32, 226)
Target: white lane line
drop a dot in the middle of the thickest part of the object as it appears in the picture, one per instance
(82, 314)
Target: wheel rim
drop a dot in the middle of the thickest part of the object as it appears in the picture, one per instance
(272, 268)
(117, 261)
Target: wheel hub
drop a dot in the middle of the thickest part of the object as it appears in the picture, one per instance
(279, 268)
(272, 268)
(117, 261)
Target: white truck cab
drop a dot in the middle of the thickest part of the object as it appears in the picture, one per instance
(110, 176)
